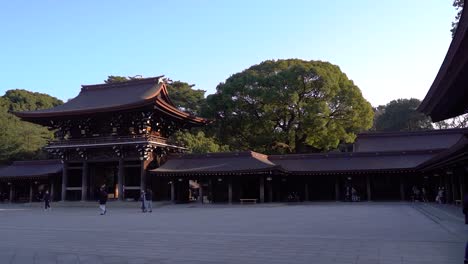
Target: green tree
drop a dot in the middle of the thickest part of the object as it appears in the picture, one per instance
(288, 106)
(186, 98)
(22, 100)
(197, 142)
(401, 115)
(117, 79)
(460, 121)
(458, 4)
(18, 139)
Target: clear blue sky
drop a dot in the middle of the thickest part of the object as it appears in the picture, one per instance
(391, 49)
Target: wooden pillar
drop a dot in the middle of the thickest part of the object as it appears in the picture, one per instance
(173, 191)
(51, 191)
(448, 193)
(337, 188)
(200, 191)
(262, 189)
(270, 190)
(64, 180)
(306, 192)
(143, 176)
(84, 181)
(31, 191)
(369, 193)
(454, 192)
(11, 192)
(402, 188)
(462, 186)
(230, 190)
(120, 179)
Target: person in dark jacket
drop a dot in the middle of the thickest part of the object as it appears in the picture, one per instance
(465, 208)
(149, 200)
(103, 200)
(47, 200)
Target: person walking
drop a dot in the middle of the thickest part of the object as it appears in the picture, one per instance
(424, 195)
(47, 201)
(149, 200)
(103, 199)
(440, 195)
(143, 201)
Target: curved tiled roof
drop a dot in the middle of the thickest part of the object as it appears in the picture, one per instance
(352, 161)
(34, 168)
(213, 163)
(448, 94)
(112, 97)
(405, 141)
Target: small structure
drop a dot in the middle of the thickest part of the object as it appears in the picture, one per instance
(26, 181)
(223, 177)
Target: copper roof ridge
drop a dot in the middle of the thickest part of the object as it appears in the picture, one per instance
(230, 154)
(35, 162)
(85, 87)
(414, 133)
(354, 154)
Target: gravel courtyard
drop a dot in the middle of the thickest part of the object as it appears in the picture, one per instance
(268, 233)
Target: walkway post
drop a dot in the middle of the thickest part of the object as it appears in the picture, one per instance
(462, 186)
(84, 181)
(172, 191)
(143, 175)
(402, 188)
(230, 190)
(31, 191)
(52, 191)
(270, 189)
(11, 192)
(337, 188)
(454, 192)
(64, 180)
(448, 193)
(200, 191)
(262, 189)
(120, 178)
(369, 194)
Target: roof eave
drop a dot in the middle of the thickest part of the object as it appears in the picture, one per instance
(446, 75)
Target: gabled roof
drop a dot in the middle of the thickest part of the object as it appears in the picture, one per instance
(216, 163)
(101, 98)
(448, 95)
(28, 169)
(406, 141)
(352, 161)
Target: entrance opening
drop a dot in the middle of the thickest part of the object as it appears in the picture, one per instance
(104, 173)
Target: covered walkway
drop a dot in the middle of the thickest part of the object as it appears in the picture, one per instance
(26, 181)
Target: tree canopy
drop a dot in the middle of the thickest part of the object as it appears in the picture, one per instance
(19, 139)
(458, 4)
(197, 142)
(288, 106)
(401, 115)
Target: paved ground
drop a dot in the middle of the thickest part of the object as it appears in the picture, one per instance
(275, 233)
